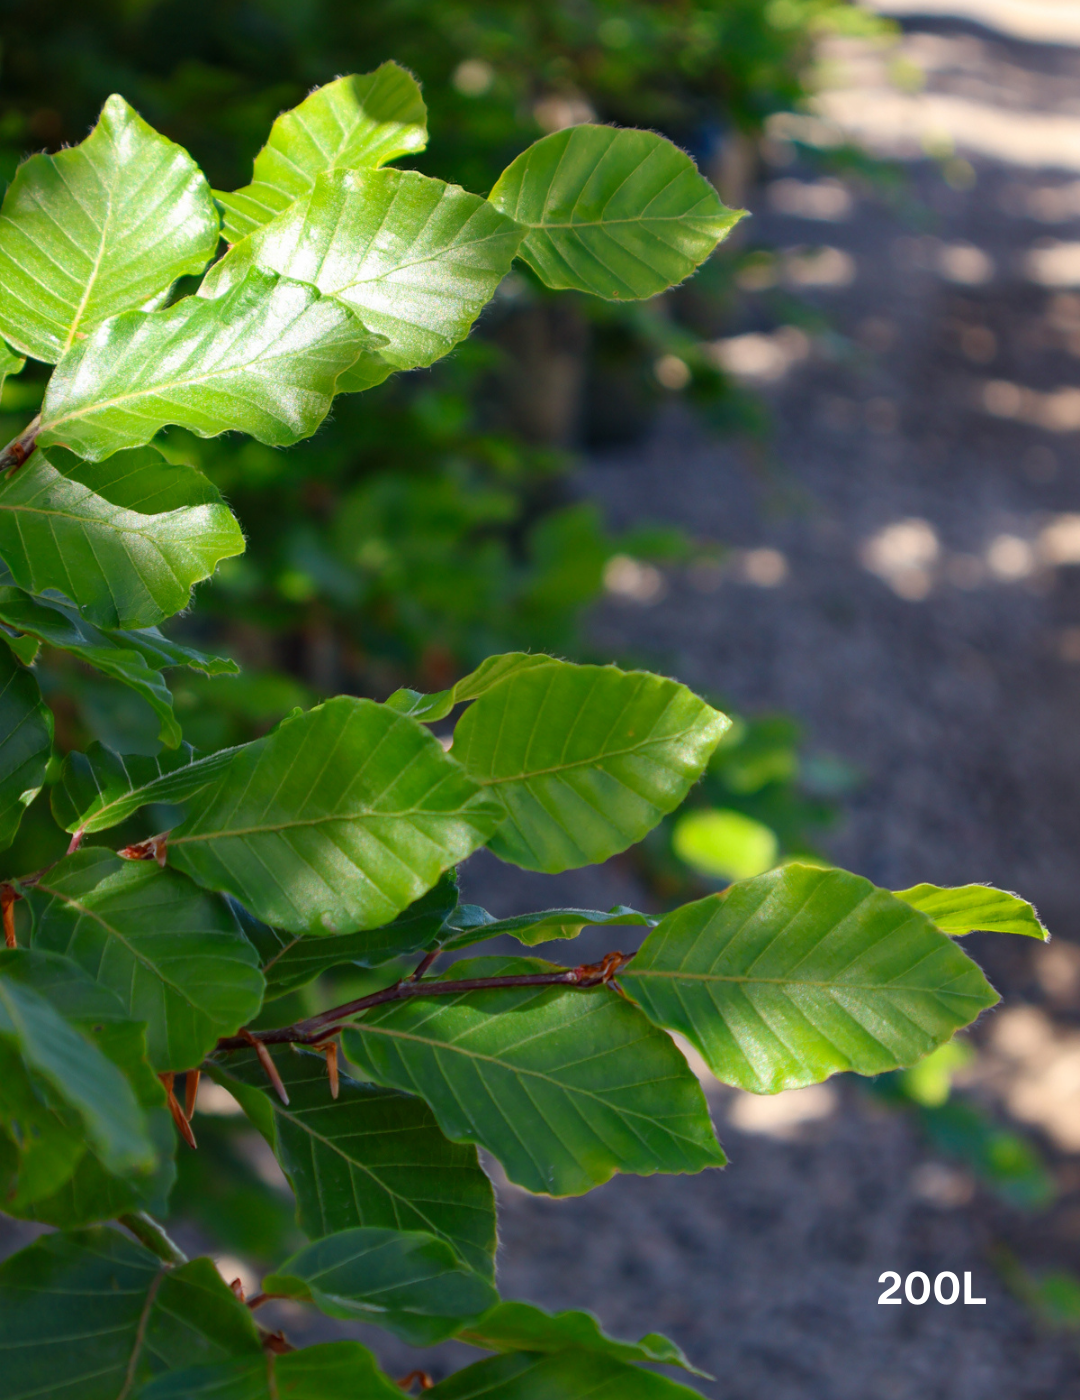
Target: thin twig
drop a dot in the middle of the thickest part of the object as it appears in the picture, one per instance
(19, 448)
(313, 1030)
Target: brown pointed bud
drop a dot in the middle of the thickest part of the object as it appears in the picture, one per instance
(267, 1064)
(182, 1124)
(191, 1089)
(8, 899)
(153, 848)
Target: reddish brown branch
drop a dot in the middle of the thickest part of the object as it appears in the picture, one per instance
(19, 448)
(314, 1031)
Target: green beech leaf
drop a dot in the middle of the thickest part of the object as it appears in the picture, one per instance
(10, 363)
(970, 907)
(124, 540)
(336, 822)
(95, 1191)
(513, 1326)
(564, 1374)
(171, 952)
(621, 214)
(370, 1157)
(357, 122)
(121, 655)
(417, 259)
(327, 1371)
(792, 976)
(477, 925)
(58, 1086)
(98, 1315)
(98, 229)
(262, 359)
(26, 737)
(585, 759)
(101, 788)
(407, 1281)
(490, 672)
(290, 961)
(564, 1087)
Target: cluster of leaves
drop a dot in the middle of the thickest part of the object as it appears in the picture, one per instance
(427, 527)
(333, 840)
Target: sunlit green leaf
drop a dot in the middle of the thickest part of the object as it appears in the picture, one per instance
(723, 844)
(407, 1281)
(476, 925)
(336, 822)
(328, 1371)
(371, 1157)
(355, 123)
(967, 908)
(124, 540)
(92, 1315)
(513, 1326)
(564, 1087)
(10, 363)
(430, 708)
(98, 229)
(802, 973)
(622, 214)
(26, 737)
(170, 951)
(262, 359)
(564, 1374)
(100, 788)
(585, 759)
(417, 259)
(290, 960)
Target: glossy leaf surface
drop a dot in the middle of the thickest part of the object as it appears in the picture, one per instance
(101, 788)
(585, 759)
(328, 1371)
(26, 736)
(565, 1088)
(417, 259)
(370, 1157)
(290, 961)
(558, 1376)
(967, 908)
(98, 229)
(336, 822)
(263, 360)
(354, 123)
(621, 214)
(171, 952)
(409, 1282)
(98, 1315)
(513, 1326)
(802, 973)
(124, 540)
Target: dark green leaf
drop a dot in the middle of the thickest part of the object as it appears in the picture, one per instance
(540, 927)
(336, 822)
(124, 540)
(585, 759)
(92, 1315)
(98, 229)
(621, 214)
(564, 1087)
(290, 961)
(792, 976)
(564, 1375)
(263, 359)
(26, 736)
(967, 908)
(407, 1281)
(329, 1371)
(371, 1157)
(522, 1327)
(416, 259)
(100, 788)
(170, 951)
(358, 122)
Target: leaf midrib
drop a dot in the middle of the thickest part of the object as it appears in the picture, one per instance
(790, 982)
(594, 762)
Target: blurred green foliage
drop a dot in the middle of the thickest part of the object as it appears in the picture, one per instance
(432, 522)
